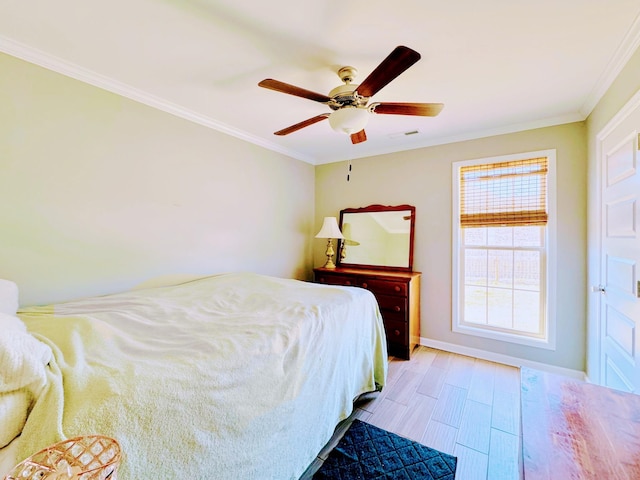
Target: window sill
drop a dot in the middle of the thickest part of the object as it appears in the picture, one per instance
(505, 337)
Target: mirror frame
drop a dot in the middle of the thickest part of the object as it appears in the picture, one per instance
(380, 208)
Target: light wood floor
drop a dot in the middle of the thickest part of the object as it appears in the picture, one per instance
(459, 405)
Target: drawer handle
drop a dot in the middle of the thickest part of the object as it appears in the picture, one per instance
(396, 288)
(396, 333)
(397, 308)
(348, 282)
(364, 285)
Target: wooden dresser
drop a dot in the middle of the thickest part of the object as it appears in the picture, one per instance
(398, 295)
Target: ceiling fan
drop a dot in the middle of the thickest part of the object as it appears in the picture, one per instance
(349, 102)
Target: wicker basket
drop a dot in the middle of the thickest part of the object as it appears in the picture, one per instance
(91, 457)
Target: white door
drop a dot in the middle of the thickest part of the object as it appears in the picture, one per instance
(620, 256)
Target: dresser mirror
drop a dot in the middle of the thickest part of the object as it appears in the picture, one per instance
(377, 236)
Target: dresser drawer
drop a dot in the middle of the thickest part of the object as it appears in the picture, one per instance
(385, 287)
(389, 303)
(397, 338)
(399, 317)
(349, 281)
(396, 331)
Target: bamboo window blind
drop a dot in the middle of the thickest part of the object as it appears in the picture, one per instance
(512, 193)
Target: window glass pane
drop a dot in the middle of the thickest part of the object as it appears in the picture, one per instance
(526, 273)
(500, 307)
(527, 311)
(475, 236)
(527, 236)
(500, 236)
(475, 267)
(500, 268)
(475, 305)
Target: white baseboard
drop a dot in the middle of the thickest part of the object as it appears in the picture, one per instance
(500, 358)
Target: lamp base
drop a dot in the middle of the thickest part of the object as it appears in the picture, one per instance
(329, 253)
(329, 264)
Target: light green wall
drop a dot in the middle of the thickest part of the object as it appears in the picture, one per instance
(626, 85)
(100, 193)
(423, 178)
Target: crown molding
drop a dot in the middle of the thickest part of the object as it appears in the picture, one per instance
(623, 53)
(63, 67)
(475, 135)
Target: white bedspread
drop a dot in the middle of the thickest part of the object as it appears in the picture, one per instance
(236, 376)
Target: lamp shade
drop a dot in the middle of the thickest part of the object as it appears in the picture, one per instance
(329, 229)
(349, 120)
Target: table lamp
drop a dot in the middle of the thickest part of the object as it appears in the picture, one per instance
(329, 231)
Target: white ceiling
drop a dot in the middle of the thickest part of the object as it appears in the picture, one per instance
(498, 65)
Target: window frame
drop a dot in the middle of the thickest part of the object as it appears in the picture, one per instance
(550, 264)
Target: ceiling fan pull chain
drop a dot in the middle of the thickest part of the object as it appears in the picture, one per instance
(348, 170)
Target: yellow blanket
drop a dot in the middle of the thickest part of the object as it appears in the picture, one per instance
(236, 376)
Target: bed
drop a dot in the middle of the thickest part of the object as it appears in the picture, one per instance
(232, 376)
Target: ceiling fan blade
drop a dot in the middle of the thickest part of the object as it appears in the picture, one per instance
(419, 109)
(305, 123)
(358, 137)
(279, 86)
(397, 62)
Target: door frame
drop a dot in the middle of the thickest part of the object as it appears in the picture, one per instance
(594, 323)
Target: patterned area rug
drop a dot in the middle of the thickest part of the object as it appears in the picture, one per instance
(367, 452)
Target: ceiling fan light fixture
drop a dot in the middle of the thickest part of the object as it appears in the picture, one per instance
(349, 120)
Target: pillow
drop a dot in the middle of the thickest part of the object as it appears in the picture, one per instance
(12, 323)
(23, 362)
(8, 297)
(23, 358)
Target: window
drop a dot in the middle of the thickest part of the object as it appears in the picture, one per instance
(504, 231)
